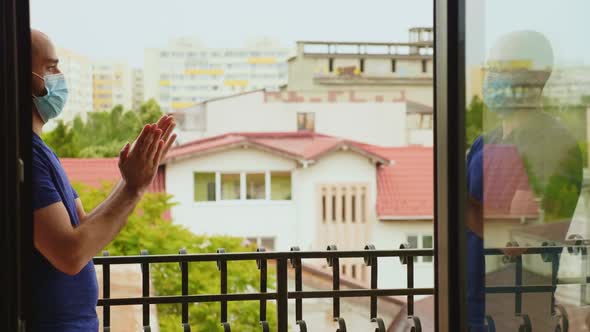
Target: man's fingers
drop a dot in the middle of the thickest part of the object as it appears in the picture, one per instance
(154, 144)
(162, 120)
(158, 154)
(168, 145)
(124, 153)
(143, 136)
(168, 130)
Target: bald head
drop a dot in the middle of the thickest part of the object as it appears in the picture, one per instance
(43, 59)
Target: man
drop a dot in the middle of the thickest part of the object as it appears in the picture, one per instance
(528, 142)
(65, 236)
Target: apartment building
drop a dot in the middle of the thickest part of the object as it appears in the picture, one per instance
(187, 72)
(112, 85)
(78, 72)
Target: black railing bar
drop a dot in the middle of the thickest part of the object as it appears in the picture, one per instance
(238, 256)
(201, 298)
(145, 289)
(529, 250)
(106, 291)
(282, 293)
(174, 299)
(521, 289)
(518, 286)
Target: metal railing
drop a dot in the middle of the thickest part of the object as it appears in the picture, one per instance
(280, 292)
(549, 252)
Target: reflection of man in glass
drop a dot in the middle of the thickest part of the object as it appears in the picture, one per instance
(528, 141)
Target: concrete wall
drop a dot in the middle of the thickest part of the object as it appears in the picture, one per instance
(389, 235)
(249, 113)
(236, 218)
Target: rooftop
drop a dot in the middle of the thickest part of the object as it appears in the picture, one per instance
(304, 147)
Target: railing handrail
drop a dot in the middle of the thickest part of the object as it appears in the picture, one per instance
(269, 255)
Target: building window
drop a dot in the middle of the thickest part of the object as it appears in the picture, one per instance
(280, 186)
(333, 207)
(343, 205)
(421, 242)
(230, 186)
(324, 207)
(393, 65)
(255, 186)
(424, 66)
(427, 244)
(353, 207)
(362, 65)
(331, 65)
(267, 243)
(353, 270)
(306, 121)
(204, 186)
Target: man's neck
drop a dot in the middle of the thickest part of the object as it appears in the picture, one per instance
(515, 121)
(37, 123)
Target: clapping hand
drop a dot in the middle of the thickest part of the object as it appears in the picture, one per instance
(139, 163)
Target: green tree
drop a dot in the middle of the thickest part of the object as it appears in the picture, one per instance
(148, 229)
(474, 120)
(103, 134)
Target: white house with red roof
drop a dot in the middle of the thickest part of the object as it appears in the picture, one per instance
(309, 190)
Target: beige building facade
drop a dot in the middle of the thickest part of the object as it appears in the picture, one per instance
(386, 70)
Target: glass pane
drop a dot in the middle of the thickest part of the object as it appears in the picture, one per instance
(268, 243)
(280, 186)
(427, 243)
(204, 184)
(413, 242)
(230, 186)
(527, 88)
(256, 186)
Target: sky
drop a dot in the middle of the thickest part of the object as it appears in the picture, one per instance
(564, 22)
(122, 29)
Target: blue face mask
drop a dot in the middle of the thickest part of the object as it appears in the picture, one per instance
(497, 94)
(51, 104)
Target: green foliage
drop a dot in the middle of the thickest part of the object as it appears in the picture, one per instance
(473, 120)
(103, 134)
(148, 229)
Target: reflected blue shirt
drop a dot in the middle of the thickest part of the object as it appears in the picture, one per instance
(61, 303)
(475, 255)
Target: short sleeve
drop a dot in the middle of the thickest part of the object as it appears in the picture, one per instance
(44, 191)
(75, 193)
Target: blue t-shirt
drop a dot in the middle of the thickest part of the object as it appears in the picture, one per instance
(61, 303)
(475, 256)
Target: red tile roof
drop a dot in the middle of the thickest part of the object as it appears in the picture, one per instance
(405, 189)
(303, 146)
(91, 171)
(94, 171)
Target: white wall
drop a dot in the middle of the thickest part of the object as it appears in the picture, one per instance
(338, 167)
(237, 218)
(389, 235)
(249, 113)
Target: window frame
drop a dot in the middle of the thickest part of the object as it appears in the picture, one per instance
(449, 166)
(243, 187)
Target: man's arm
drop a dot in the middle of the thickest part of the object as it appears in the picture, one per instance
(80, 210)
(69, 249)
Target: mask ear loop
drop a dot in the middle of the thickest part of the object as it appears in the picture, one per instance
(44, 87)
